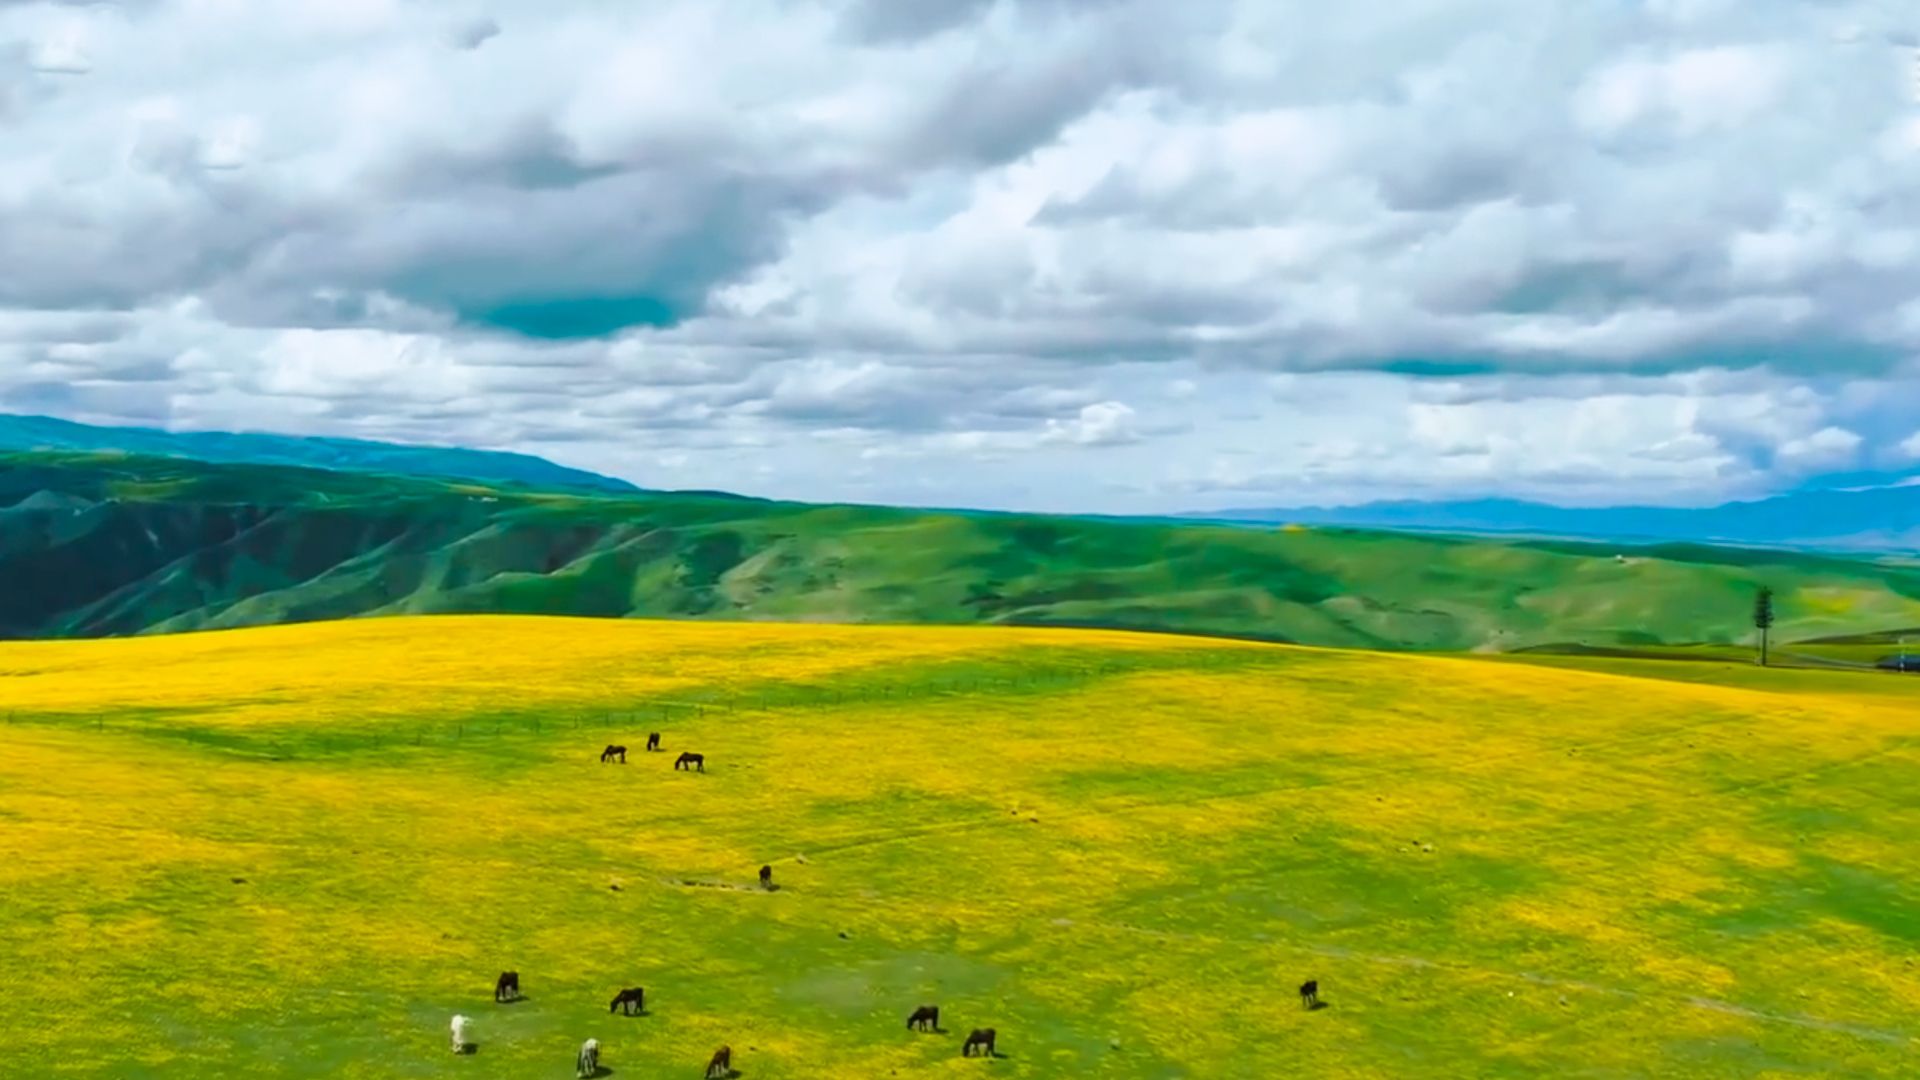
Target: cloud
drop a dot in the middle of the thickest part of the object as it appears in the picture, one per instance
(1827, 449)
(1649, 244)
(472, 33)
(1106, 423)
(1692, 92)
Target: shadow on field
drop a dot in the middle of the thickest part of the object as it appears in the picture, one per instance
(601, 1070)
(1317, 1006)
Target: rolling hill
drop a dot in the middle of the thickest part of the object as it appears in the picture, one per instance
(39, 433)
(295, 852)
(95, 545)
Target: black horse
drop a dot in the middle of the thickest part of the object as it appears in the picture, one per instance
(632, 1001)
(980, 1040)
(766, 877)
(924, 1018)
(721, 1065)
(507, 986)
(653, 741)
(691, 761)
(612, 752)
(1310, 994)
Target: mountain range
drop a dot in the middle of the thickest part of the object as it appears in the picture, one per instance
(1864, 519)
(27, 433)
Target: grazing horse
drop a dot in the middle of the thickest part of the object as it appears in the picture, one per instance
(653, 741)
(982, 1040)
(462, 1033)
(507, 986)
(766, 877)
(588, 1063)
(632, 1000)
(721, 1065)
(691, 761)
(612, 752)
(924, 1018)
(1310, 994)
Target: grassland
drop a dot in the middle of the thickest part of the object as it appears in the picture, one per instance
(296, 851)
(94, 546)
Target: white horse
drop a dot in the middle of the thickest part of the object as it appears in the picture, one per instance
(462, 1033)
(588, 1063)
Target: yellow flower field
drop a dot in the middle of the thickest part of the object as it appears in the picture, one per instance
(297, 851)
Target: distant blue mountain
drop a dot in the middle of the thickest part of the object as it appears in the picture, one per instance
(1883, 519)
(19, 433)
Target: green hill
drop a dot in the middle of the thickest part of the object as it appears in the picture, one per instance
(94, 545)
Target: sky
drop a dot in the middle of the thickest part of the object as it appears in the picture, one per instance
(1129, 256)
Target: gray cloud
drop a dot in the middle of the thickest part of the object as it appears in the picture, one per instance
(1621, 238)
(889, 22)
(473, 33)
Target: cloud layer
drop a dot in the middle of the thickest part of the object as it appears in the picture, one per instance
(1078, 254)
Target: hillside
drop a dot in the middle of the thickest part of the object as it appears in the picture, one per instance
(295, 852)
(107, 546)
(43, 433)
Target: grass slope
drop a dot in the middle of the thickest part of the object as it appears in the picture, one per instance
(103, 547)
(296, 851)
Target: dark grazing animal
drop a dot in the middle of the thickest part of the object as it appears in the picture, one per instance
(766, 877)
(653, 741)
(981, 1040)
(1310, 993)
(612, 752)
(632, 1000)
(924, 1018)
(721, 1065)
(507, 986)
(691, 761)
(588, 1063)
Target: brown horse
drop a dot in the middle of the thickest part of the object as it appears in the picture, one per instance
(722, 1064)
(766, 877)
(924, 1018)
(507, 986)
(691, 761)
(612, 752)
(1310, 994)
(653, 742)
(631, 1000)
(981, 1040)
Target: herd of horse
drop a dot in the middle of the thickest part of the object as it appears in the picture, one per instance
(689, 761)
(632, 1001)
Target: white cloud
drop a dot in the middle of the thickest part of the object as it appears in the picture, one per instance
(1105, 423)
(1828, 448)
(1694, 91)
(1641, 245)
